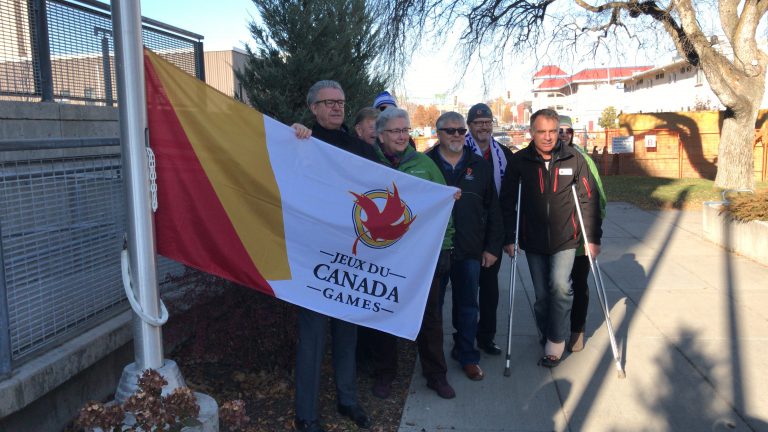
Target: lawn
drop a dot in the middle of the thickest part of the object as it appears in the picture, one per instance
(654, 193)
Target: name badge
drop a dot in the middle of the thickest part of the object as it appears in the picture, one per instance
(565, 171)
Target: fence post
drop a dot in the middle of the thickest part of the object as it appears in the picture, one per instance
(5, 329)
(42, 60)
(105, 64)
(200, 61)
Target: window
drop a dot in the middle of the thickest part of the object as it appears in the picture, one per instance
(660, 75)
(699, 76)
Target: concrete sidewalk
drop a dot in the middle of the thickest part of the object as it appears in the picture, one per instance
(692, 328)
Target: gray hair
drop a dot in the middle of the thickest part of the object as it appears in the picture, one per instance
(546, 113)
(366, 113)
(390, 114)
(316, 87)
(450, 116)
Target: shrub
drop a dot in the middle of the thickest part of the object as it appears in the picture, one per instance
(749, 207)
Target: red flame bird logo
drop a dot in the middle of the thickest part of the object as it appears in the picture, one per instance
(380, 228)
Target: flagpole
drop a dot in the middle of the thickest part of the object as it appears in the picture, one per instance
(148, 341)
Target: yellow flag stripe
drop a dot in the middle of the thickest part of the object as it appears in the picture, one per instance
(229, 140)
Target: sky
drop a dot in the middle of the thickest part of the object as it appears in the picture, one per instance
(432, 72)
(224, 25)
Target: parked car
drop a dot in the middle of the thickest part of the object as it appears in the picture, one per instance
(502, 138)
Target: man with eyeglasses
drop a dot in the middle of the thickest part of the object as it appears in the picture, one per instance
(580, 271)
(326, 101)
(480, 140)
(478, 233)
(547, 170)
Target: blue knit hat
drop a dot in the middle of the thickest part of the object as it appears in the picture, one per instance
(384, 98)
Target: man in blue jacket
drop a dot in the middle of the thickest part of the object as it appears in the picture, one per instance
(478, 232)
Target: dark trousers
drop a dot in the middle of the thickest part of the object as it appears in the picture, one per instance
(429, 341)
(310, 351)
(488, 302)
(430, 338)
(579, 276)
(465, 280)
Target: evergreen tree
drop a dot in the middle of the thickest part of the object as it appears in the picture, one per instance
(299, 42)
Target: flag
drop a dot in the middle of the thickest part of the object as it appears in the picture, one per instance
(239, 196)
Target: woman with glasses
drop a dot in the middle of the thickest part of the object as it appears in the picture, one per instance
(392, 128)
(580, 271)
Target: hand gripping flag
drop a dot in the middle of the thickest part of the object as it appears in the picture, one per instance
(239, 196)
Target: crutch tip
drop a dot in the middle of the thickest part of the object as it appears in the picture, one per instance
(507, 372)
(622, 374)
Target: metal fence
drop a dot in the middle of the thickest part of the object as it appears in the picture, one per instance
(61, 232)
(63, 50)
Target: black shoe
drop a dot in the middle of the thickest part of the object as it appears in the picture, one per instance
(356, 414)
(489, 347)
(441, 387)
(308, 426)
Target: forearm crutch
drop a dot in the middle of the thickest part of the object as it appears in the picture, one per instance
(600, 288)
(512, 281)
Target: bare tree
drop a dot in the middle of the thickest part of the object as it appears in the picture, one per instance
(492, 28)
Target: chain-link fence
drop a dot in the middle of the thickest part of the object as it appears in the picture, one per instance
(63, 50)
(61, 233)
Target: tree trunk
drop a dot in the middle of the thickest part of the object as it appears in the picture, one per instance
(736, 161)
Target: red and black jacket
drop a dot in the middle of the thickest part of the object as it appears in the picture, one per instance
(548, 219)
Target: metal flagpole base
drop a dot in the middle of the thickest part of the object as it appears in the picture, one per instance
(129, 380)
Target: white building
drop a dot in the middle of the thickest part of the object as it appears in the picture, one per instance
(584, 95)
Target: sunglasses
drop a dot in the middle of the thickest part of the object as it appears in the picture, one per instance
(452, 131)
(568, 131)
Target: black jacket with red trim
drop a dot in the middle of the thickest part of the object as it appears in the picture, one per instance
(548, 219)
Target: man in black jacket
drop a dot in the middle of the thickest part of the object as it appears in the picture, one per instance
(480, 140)
(326, 101)
(478, 232)
(549, 226)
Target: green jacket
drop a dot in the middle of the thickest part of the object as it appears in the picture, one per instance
(603, 199)
(420, 165)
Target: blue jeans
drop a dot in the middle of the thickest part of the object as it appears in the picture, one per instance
(551, 275)
(465, 282)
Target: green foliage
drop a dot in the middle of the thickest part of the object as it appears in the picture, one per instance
(300, 42)
(749, 207)
(609, 118)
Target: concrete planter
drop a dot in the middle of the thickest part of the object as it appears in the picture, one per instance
(746, 238)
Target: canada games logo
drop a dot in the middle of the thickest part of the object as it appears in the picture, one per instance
(381, 218)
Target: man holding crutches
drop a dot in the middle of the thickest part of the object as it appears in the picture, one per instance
(549, 229)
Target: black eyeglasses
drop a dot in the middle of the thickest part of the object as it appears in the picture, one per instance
(568, 131)
(330, 103)
(483, 123)
(452, 131)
